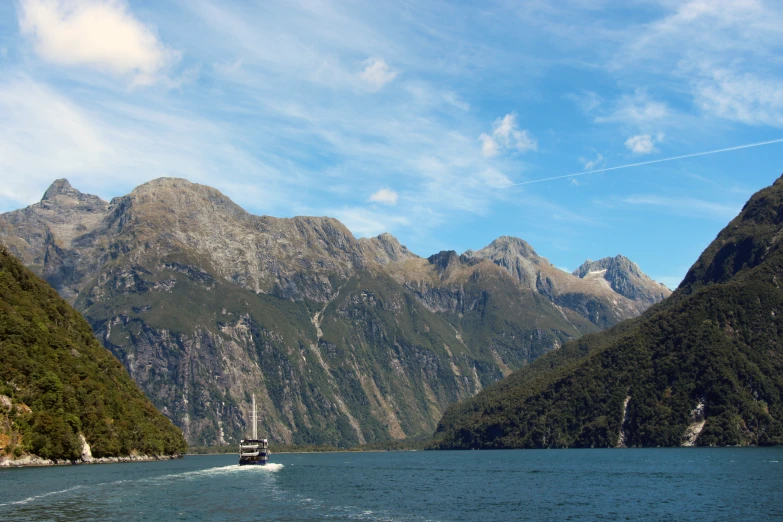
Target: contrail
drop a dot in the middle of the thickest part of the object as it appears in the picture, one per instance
(738, 147)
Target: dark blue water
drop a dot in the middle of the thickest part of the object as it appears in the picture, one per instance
(632, 484)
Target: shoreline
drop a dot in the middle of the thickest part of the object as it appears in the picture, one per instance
(33, 461)
(303, 452)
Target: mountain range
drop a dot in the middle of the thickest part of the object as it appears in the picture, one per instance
(704, 367)
(344, 340)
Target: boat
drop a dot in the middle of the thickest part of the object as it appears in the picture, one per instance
(255, 451)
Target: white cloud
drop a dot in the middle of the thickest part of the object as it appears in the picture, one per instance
(587, 101)
(377, 73)
(507, 135)
(107, 148)
(637, 108)
(724, 52)
(386, 196)
(686, 206)
(493, 178)
(427, 94)
(366, 223)
(590, 164)
(34, 118)
(102, 34)
(643, 143)
(452, 99)
(489, 146)
(744, 98)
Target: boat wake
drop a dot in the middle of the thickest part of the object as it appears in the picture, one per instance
(186, 475)
(38, 497)
(222, 470)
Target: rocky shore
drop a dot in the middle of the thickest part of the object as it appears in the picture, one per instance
(35, 461)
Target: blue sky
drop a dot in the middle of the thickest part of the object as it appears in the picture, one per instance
(414, 118)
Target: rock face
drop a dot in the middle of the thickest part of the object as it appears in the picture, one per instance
(702, 368)
(625, 278)
(345, 341)
(605, 292)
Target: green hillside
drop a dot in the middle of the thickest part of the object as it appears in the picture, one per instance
(705, 367)
(57, 382)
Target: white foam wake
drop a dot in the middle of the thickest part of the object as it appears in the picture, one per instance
(223, 470)
(38, 497)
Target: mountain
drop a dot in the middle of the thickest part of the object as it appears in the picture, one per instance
(345, 341)
(624, 277)
(63, 395)
(704, 367)
(591, 297)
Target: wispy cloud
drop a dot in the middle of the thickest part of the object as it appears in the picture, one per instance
(312, 107)
(100, 34)
(741, 97)
(691, 207)
(364, 222)
(453, 99)
(590, 164)
(586, 101)
(108, 147)
(637, 108)
(726, 53)
(506, 135)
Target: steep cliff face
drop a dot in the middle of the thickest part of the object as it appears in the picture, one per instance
(370, 364)
(345, 341)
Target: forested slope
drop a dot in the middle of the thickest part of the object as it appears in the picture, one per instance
(58, 384)
(704, 367)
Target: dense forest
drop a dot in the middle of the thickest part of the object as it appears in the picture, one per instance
(704, 367)
(58, 384)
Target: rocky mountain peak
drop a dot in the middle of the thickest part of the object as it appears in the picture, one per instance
(444, 259)
(625, 277)
(617, 263)
(505, 246)
(388, 239)
(60, 186)
(385, 249)
(513, 254)
(61, 195)
(184, 197)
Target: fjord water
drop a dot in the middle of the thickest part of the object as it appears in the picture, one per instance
(628, 484)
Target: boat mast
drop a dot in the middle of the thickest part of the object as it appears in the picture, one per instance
(255, 419)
